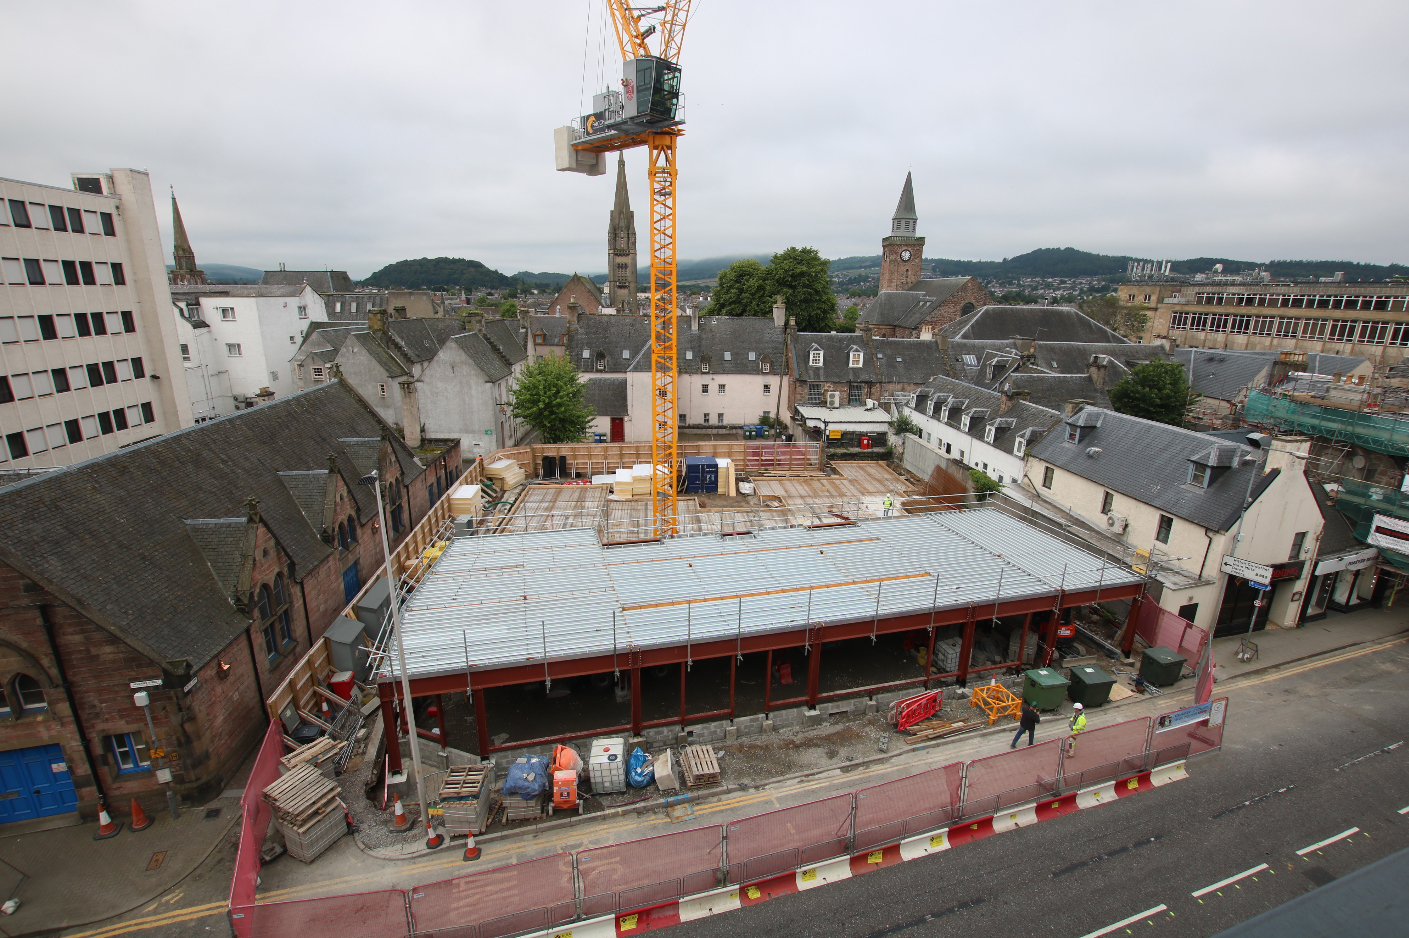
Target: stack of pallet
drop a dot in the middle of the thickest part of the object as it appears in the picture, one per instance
(505, 473)
(465, 798)
(306, 811)
(322, 754)
(700, 766)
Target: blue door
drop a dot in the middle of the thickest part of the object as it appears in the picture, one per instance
(35, 782)
(350, 583)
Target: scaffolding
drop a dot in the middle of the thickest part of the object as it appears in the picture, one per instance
(1380, 433)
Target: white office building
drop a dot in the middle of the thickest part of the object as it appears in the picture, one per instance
(88, 352)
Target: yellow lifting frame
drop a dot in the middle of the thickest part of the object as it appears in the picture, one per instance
(996, 701)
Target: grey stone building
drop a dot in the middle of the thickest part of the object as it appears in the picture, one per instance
(621, 249)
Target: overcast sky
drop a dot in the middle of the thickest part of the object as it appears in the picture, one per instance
(353, 134)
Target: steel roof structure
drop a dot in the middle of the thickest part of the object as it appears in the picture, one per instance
(515, 600)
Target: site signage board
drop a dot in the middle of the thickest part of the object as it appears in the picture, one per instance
(1237, 566)
(1178, 718)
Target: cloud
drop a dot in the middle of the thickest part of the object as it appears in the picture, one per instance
(354, 134)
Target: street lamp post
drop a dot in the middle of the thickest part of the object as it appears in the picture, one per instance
(144, 700)
(433, 839)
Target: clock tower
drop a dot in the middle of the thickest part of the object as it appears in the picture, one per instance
(902, 251)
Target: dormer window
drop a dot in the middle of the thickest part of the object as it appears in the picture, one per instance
(601, 362)
(1019, 446)
(964, 423)
(929, 407)
(944, 414)
(586, 353)
(971, 361)
(857, 356)
(626, 354)
(704, 365)
(1073, 434)
(1198, 475)
(766, 367)
(814, 358)
(988, 433)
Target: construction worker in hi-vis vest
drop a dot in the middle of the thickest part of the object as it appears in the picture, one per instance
(886, 505)
(1078, 723)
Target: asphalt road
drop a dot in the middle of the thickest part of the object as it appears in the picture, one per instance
(1302, 762)
(1305, 759)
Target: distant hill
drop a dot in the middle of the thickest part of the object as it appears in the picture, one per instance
(228, 273)
(547, 279)
(424, 273)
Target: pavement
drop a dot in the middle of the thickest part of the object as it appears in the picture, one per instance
(113, 877)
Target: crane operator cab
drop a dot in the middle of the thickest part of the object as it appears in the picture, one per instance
(646, 102)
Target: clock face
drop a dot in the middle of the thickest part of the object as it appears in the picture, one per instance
(905, 254)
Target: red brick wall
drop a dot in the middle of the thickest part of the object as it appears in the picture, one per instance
(897, 274)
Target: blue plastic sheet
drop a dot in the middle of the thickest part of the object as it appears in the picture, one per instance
(639, 770)
(527, 777)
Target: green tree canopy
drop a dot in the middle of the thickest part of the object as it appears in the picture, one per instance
(1156, 390)
(1128, 319)
(508, 310)
(551, 398)
(798, 275)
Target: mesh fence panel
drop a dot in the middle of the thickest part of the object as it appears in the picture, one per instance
(1199, 737)
(894, 810)
(778, 841)
(502, 901)
(1106, 753)
(254, 815)
(646, 872)
(359, 915)
(1011, 777)
(1159, 626)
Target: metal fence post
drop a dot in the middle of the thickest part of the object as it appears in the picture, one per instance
(577, 889)
(1061, 769)
(851, 827)
(723, 878)
(963, 787)
(1149, 762)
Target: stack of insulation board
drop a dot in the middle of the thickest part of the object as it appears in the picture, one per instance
(505, 473)
(465, 501)
(623, 484)
(641, 480)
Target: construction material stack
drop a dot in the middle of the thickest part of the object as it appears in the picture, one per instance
(307, 811)
(606, 766)
(700, 766)
(322, 754)
(946, 655)
(505, 474)
(465, 799)
(466, 499)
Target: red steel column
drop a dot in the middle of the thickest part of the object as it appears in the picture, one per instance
(1132, 621)
(635, 701)
(814, 670)
(1022, 642)
(768, 680)
(682, 695)
(389, 729)
(929, 658)
(733, 670)
(966, 650)
(481, 722)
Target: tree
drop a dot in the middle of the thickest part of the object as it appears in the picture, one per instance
(550, 398)
(1157, 390)
(743, 290)
(800, 277)
(984, 484)
(901, 424)
(1128, 319)
(848, 319)
(508, 310)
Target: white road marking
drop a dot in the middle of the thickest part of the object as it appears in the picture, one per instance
(1125, 921)
(1230, 880)
(1330, 840)
(1404, 810)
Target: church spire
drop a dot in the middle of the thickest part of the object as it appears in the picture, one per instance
(185, 271)
(623, 199)
(904, 219)
(621, 248)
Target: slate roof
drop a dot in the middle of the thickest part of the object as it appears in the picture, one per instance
(609, 336)
(385, 356)
(120, 537)
(479, 351)
(420, 340)
(1338, 535)
(508, 336)
(1227, 375)
(907, 361)
(1149, 462)
(323, 340)
(606, 396)
(309, 487)
(221, 542)
(183, 291)
(1024, 415)
(324, 281)
(727, 341)
(907, 309)
(1053, 391)
(364, 301)
(1052, 323)
(552, 328)
(836, 357)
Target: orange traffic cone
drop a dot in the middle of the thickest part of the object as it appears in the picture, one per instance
(399, 820)
(106, 826)
(140, 821)
(471, 851)
(433, 840)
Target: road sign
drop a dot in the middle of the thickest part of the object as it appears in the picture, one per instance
(1237, 566)
(1258, 586)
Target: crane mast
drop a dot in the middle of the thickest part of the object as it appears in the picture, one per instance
(643, 113)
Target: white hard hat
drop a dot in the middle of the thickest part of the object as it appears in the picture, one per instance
(1077, 707)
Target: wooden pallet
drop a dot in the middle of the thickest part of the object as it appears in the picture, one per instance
(462, 783)
(301, 795)
(315, 752)
(938, 729)
(700, 766)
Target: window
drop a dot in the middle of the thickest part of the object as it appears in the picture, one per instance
(129, 325)
(89, 426)
(989, 432)
(46, 327)
(1107, 503)
(1198, 475)
(8, 331)
(90, 219)
(114, 323)
(16, 444)
(855, 393)
(33, 272)
(233, 349)
(185, 352)
(60, 378)
(85, 273)
(728, 356)
(814, 357)
(317, 373)
(1166, 528)
(95, 376)
(721, 419)
(704, 365)
(14, 270)
(752, 355)
(19, 215)
(148, 415)
(601, 363)
(119, 278)
(100, 326)
(124, 369)
(107, 221)
(70, 272)
(64, 325)
(105, 423)
(706, 417)
(1048, 474)
(29, 694)
(721, 389)
(766, 367)
(303, 312)
(689, 355)
(7, 396)
(948, 449)
(227, 313)
(110, 372)
(354, 307)
(1073, 434)
(704, 388)
(129, 751)
(683, 419)
(381, 390)
(23, 388)
(72, 431)
(856, 359)
(120, 419)
(83, 325)
(814, 393)
(767, 389)
(1297, 541)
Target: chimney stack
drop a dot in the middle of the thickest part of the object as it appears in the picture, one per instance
(1011, 396)
(1096, 368)
(1074, 407)
(780, 313)
(693, 309)
(410, 413)
(376, 320)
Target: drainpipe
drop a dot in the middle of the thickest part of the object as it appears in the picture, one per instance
(72, 705)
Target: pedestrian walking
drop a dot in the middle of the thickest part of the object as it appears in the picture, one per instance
(1078, 723)
(1027, 724)
(886, 505)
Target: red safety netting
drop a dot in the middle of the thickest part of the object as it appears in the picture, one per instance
(894, 810)
(254, 815)
(1012, 777)
(772, 843)
(1106, 753)
(650, 871)
(1189, 739)
(379, 914)
(521, 897)
(1158, 626)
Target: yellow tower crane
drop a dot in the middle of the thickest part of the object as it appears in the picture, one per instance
(642, 112)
